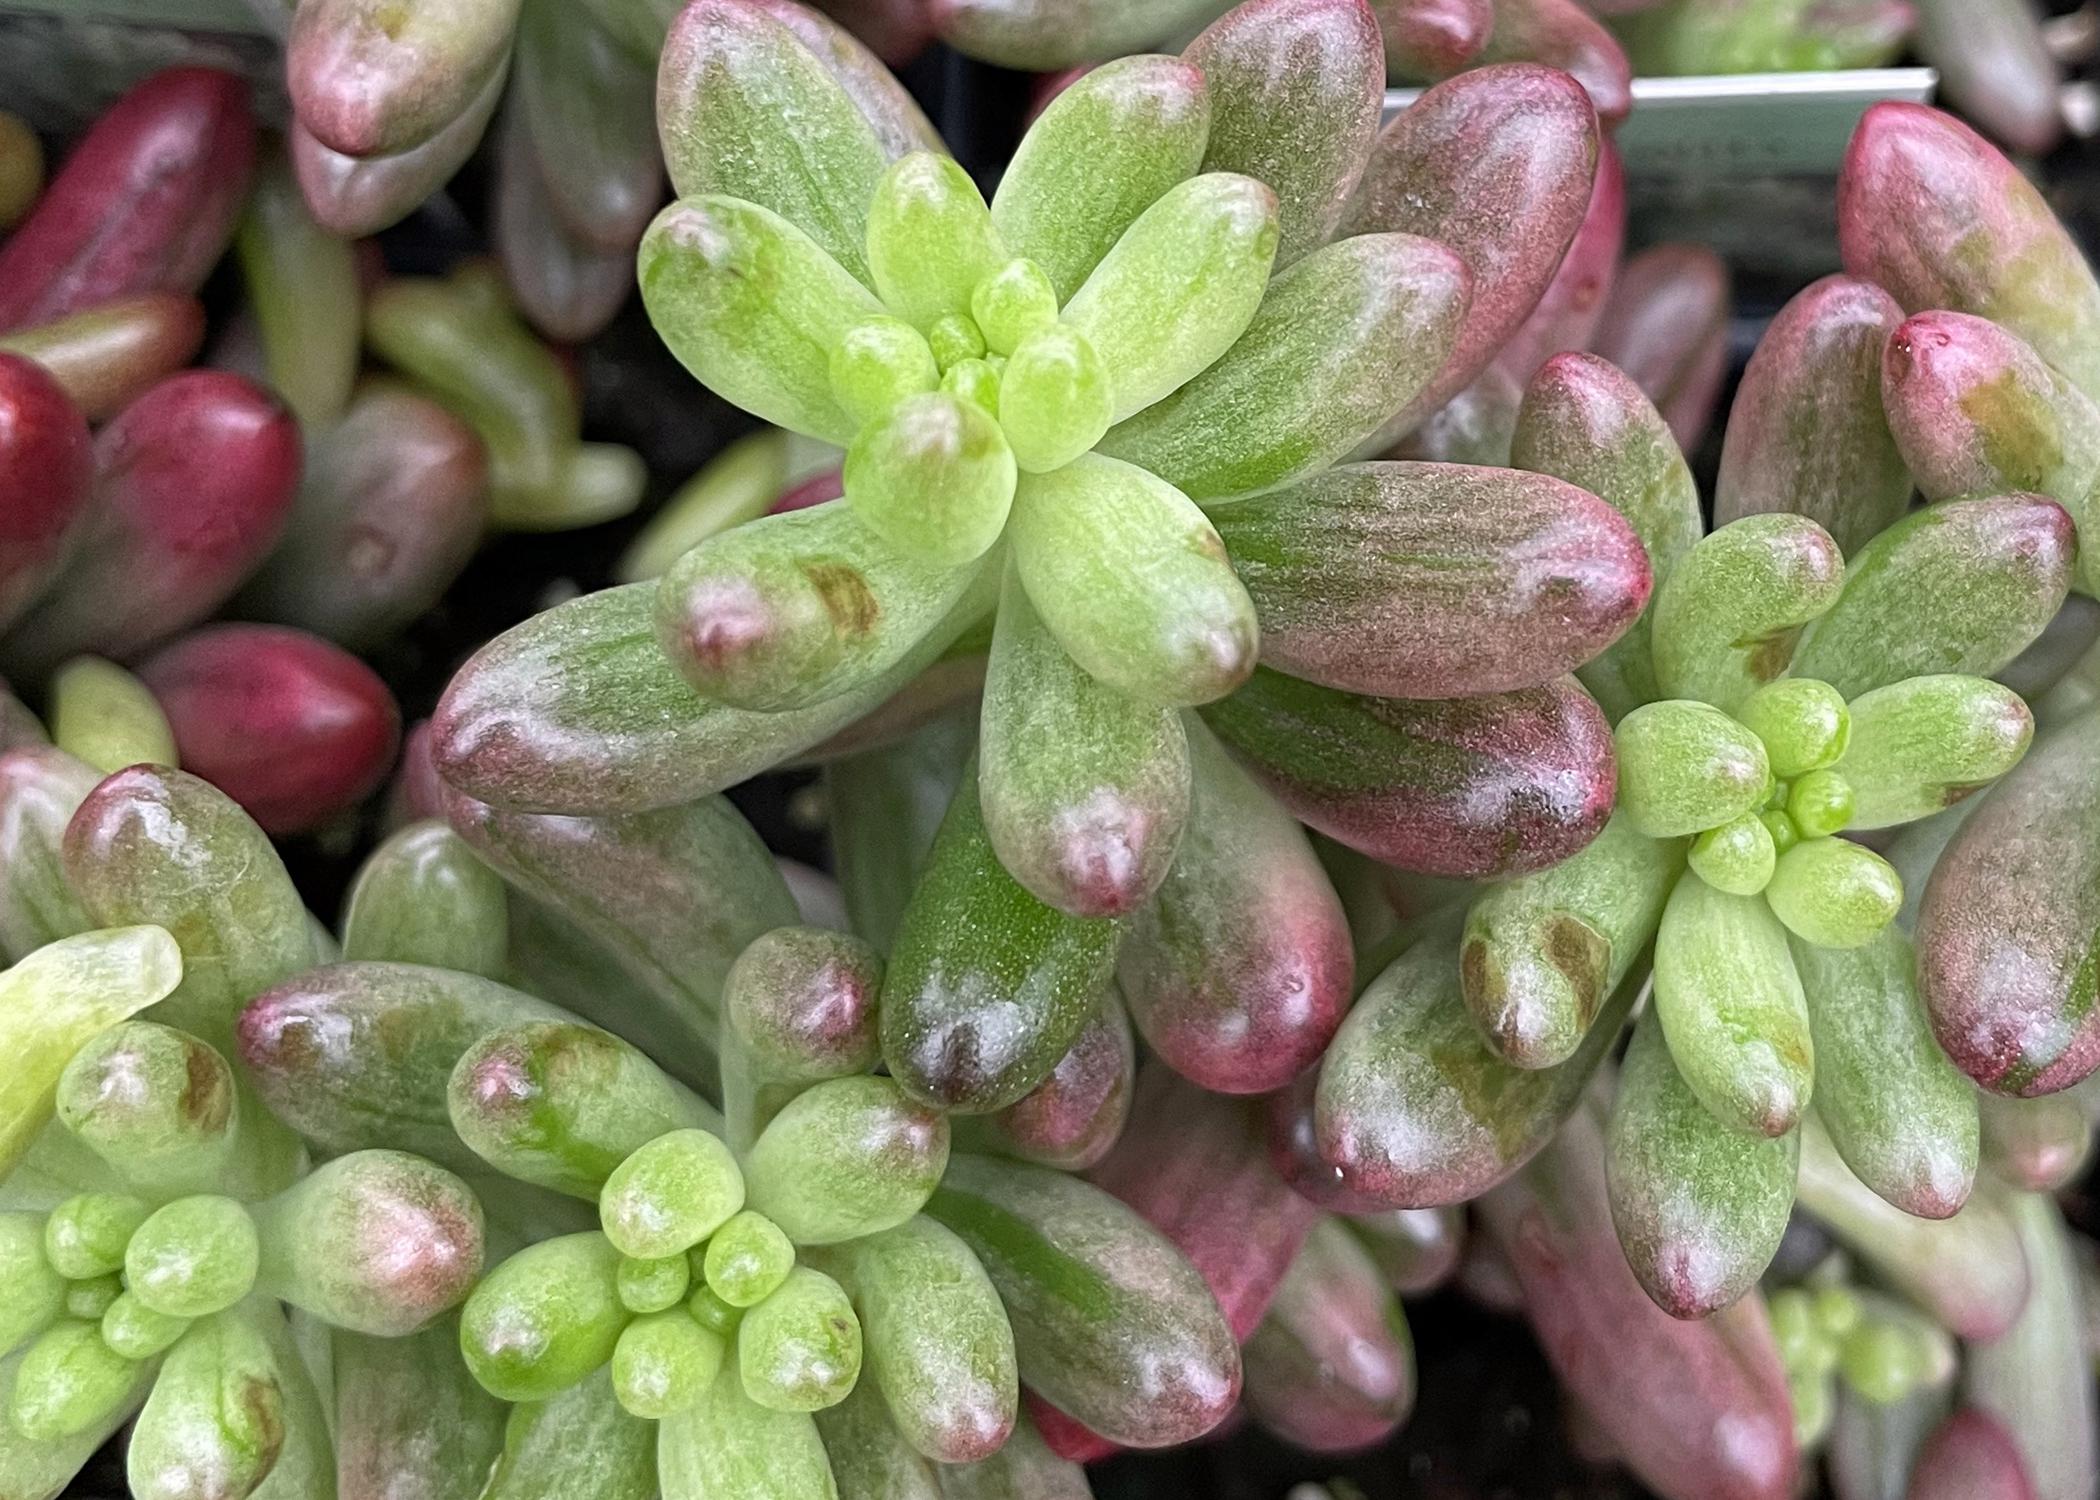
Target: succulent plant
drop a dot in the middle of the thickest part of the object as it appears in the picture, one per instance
(1250, 550)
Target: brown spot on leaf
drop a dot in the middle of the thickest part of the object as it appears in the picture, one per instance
(1770, 654)
(1583, 954)
(1480, 978)
(262, 1404)
(206, 1102)
(852, 606)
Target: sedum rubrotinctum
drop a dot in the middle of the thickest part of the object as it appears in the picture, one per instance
(1091, 436)
(1777, 971)
(802, 1293)
(1037, 398)
(1772, 698)
(1781, 696)
(161, 1233)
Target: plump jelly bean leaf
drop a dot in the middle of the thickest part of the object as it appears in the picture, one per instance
(57, 999)
(930, 238)
(987, 987)
(1305, 127)
(577, 710)
(1585, 421)
(422, 897)
(1499, 164)
(1373, 578)
(1471, 788)
(1728, 616)
(1967, 1271)
(1930, 210)
(1833, 892)
(1085, 791)
(1543, 954)
(217, 1410)
(1699, 1206)
(1685, 766)
(562, 1105)
(2006, 929)
(1414, 1109)
(544, 1319)
(1102, 152)
(1898, 1111)
(378, 1242)
(1340, 341)
(753, 307)
(1732, 1008)
(1653, 1381)
(1179, 287)
(939, 1347)
(746, 110)
(934, 478)
(1133, 581)
(846, 1158)
(154, 845)
(1806, 432)
(1096, 1296)
(1239, 969)
(1962, 586)
(798, 1006)
(788, 611)
(1924, 743)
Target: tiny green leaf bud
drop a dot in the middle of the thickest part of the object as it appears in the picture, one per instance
(1882, 1361)
(1837, 1311)
(1814, 1406)
(1013, 302)
(877, 363)
(1820, 804)
(136, 1331)
(1793, 1325)
(107, 717)
(1056, 399)
(954, 338)
(89, 1300)
(975, 381)
(1834, 893)
(1803, 723)
(748, 1258)
(651, 1286)
(1736, 857)
(194, 1257)
(664, 1363)
(670, 1194)
(707, 1308)
(86, 1235)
